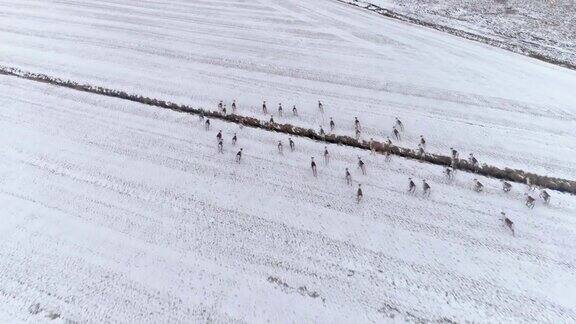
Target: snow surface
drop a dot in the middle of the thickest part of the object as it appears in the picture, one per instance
(544, 27)
(507, 109)
(113, 211)
(118, 212)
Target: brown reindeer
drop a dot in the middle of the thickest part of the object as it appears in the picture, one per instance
(506, 186)
(362, 166)
(239, 156)
(426, 188)
(478, 186)
(348, 177)
(530, 201)
(313, 166)
(359, 194)
(509, 223)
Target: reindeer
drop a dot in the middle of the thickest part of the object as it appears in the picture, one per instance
(411, 186)
(362, 166)
(396, 133)
(387, 155)
(509, 223)
(239, 156)
(399, 124)
(220, 146)
(421, 152)
(356, 124)
(529, 184)
(348, 177)
(326, 155)
(426, 188)
(313, 166)
(545, 196)
(449, 173)
(506, 186)
(472, 160)
(478, 186)
(359, 194)
(454, 154)
(530, 201)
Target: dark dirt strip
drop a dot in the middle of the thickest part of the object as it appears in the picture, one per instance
(518, 49)
(514, 175)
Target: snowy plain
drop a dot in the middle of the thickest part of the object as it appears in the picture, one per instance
(507, 109)
(544, 27)
(114, 211)
(118, 212)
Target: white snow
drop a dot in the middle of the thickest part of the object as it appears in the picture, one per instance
(507, 109)
(113, 211)
(544, 27)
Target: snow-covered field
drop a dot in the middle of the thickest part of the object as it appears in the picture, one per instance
(507, 109)
(547, 28)
(113, 211)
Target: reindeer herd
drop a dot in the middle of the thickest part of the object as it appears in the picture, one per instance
(397, 130)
